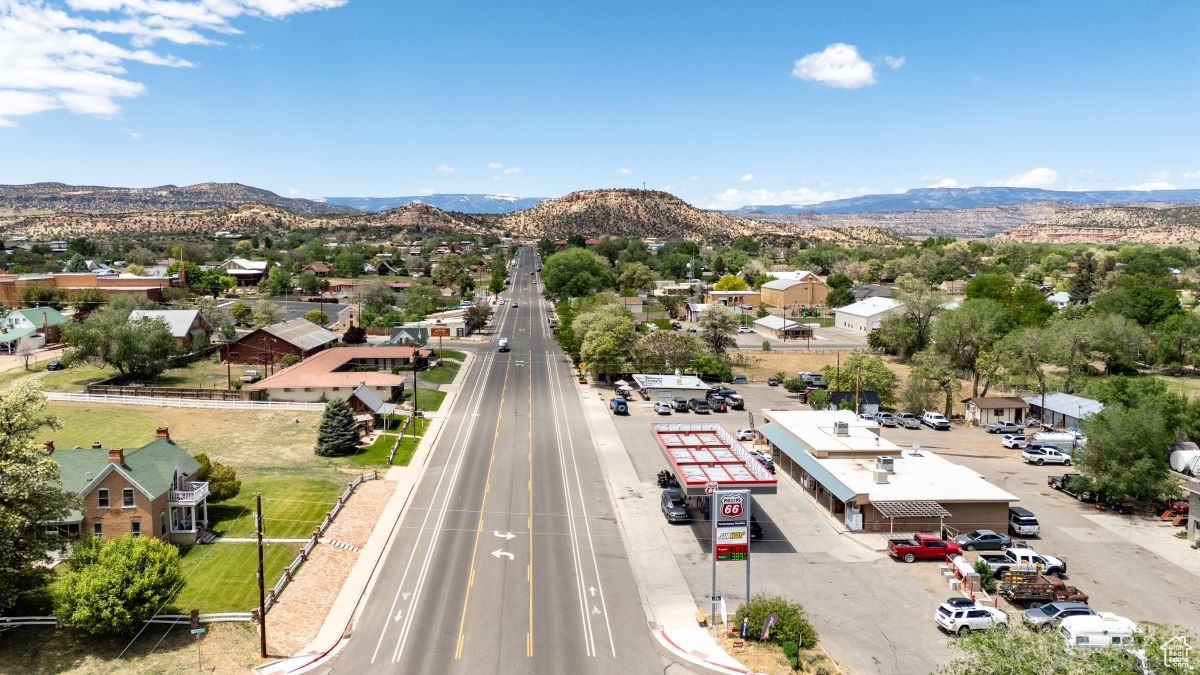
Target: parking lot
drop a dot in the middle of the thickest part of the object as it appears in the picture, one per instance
(875, 614)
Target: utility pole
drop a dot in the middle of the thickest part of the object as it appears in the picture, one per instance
(262, 597)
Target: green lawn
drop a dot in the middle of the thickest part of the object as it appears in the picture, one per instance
(221, 577)
(427, 399)
(292, 506)
(443, 373)
(68, 379)
(1187, 386)
(377, 452)
(449, 354)
(404, 454)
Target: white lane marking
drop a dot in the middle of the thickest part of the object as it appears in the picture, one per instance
(504, 535)
(583, 509)
(480, 379)
(497, 554)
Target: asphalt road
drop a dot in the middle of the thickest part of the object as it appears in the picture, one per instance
(509, 559)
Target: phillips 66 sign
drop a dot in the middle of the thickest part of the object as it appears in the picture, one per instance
(732, 506)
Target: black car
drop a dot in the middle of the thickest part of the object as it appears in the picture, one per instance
(717, 403)
(756, 531)
(54, 365)
(699, 405)
(681, 405)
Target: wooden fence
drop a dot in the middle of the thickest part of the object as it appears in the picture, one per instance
(290, 571)
(169, 392)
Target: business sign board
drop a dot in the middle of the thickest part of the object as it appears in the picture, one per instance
(439, 331)
(731, 528)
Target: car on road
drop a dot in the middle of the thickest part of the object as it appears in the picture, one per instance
(1004, 427)
(662, 408)
(742, 330)
(962, 620)
(885, 419)
(1014, 441)
(982, 540)
(681, 404)
(935, 420)
(500, 301)
(54, 365)
(674, 506)
(1046, 617)
(908, 420)
(1044, 455)
(515, 305)
(503, 344)
(745, 434)
(772, 381)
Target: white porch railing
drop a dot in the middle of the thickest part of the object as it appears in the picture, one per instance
(191, 497)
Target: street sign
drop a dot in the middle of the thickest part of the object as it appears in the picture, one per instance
(716, 599)
(711, 487)
(199, 631)
(439, 331)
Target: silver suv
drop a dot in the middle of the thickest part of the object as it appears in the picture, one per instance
(1048, 615)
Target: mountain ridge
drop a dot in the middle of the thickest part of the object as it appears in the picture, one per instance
(56, 198)
(446, 201)
(919, 199)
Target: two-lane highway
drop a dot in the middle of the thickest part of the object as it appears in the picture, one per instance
(509, 558)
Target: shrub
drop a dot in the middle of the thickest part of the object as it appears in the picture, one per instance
(766, 347)
(112, 587)
(987, 578)
(288, 360)
(222, 480)
(792, 625)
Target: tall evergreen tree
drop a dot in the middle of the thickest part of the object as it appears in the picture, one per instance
(338, 433)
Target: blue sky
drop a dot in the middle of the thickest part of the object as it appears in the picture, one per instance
(722, 103)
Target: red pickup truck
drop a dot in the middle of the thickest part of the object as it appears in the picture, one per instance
(921, 546)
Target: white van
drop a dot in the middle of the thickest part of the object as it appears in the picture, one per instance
(1083, 633)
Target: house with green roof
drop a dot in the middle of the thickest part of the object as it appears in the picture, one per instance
(149, 491)
(35, 326)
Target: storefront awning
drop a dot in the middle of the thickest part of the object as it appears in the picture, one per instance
(914, 508)
(796, 452)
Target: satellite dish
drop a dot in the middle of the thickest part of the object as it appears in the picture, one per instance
(916, 446)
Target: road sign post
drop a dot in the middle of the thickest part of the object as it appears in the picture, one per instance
(730, 520)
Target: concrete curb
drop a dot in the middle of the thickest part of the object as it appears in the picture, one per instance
(347, 607)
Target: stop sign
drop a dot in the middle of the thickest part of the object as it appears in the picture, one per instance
(710, 488)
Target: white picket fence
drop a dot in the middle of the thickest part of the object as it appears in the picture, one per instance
(110, 399)
(218, 617)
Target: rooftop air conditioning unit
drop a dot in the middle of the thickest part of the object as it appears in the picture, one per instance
(881, 476)
(841, 428)
(883, 463)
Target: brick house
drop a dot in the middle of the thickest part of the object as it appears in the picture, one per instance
(149, 491)
(298, 337)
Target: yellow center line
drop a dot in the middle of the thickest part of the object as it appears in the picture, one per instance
(462, 622)
(529, 637)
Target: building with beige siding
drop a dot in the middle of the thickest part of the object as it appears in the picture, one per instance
(804, 290)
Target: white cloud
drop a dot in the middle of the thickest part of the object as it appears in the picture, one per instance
(942, 182)
(734, 198)
(293, 191)
(1159, 175)
(746, 178)
(512, 169)
(1153, 185)
(495, 165)
(426, 191)
(694, 178)
(135, 135)
(894, 62)
(443, 168)
(624, 172)
(54, 57)
(1034, 178)
(1190, 174)
(838, 65)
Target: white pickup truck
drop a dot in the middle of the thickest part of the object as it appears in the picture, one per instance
(935, 420)
(1023, 559)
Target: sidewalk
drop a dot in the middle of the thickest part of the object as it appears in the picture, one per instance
(329, 628)
(669, 605)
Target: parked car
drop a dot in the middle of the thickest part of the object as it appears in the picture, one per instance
(962, 620)
(1042, 455)
(756, 531)
(982, 540)
(1004, 427)
(1023, 558)
(866, 416)
(740, 379)
(921, 547)
(1046, 617)
(681, 404)
(1083, 634)
(733, 399)
(742, 330)
(935, 420)
(765, 459)
(815, 380)
(717, 403)
(662, 408)
(699, 406)
(249, 377)
(908, 420)
(1014, 441)
(772, 381)
(1068, 483)
(675, 325)
(1022, 522)
(885, 419)
(54, 365)
(619, 405)
(674, 506)
(745, 434)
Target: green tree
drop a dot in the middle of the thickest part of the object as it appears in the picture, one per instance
(1148, 300)
(265, 313)
(348, 264)
(671, 303)
(422, 299)
(86, 300)
(1071, 344)
(1177, 338)
(377, 298)
(337, 434)
(908, 330)
(240, 312)
(1083, 284)
(83, 247)
(1025, 353)
(43, 295)
(76, 264)
(719, 325)
(1127, 452)
(31, 493)
(818, 399)
(792, 626)
(935, 370)
(730, 282)
(663, 351)
(310, 283)
(114, 586)
(634, 276)
(277, 282)
(795, 385)
(1119, 342)
(450, 268)
(576, 272)
(138, 348)
(965, 333)
(478, 317)
(496, 285)
(868, 371)
(316, 316)
(839, 297)
(223, 483)
(607, 344)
